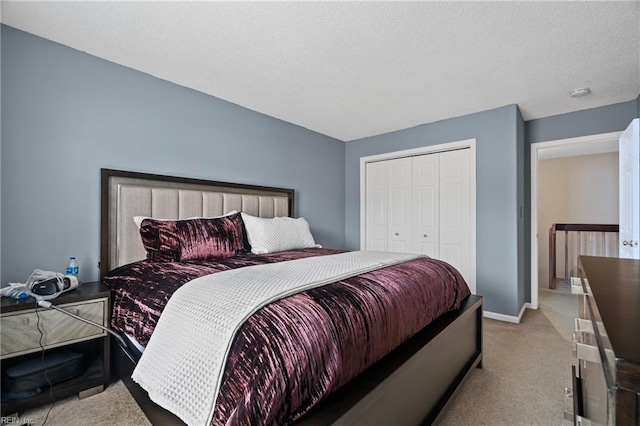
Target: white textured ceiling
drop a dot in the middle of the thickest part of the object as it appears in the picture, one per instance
(356, 69)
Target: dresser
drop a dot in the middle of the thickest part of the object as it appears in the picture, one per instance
(24, 332)
(606, 374)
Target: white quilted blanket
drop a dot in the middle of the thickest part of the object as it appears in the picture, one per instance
(182, 366)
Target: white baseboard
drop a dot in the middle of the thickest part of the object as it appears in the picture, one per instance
(508, 318)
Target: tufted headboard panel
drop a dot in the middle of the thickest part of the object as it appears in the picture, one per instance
(128, 194)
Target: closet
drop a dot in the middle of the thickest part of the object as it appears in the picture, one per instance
(422, 204)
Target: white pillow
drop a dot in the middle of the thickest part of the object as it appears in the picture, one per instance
(277, 234)
(138, 219)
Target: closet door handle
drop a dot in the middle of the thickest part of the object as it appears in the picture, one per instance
(425, 235)
(397, 234)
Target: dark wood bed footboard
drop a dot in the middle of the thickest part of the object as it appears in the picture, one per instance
(411, 385)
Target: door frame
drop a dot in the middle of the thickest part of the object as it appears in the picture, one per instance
(631, 252)
(431, 149)
(535, 150)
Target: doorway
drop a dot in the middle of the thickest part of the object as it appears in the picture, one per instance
(562, 168)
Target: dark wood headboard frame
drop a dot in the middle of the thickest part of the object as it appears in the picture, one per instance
(107, 174)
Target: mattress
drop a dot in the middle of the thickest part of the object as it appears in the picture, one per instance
(294, 352)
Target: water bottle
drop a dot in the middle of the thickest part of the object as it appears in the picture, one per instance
(20, 292)
(72, 267)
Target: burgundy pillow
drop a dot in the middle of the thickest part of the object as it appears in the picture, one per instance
(182, 240)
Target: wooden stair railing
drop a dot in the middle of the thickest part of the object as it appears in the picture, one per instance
(578, 228)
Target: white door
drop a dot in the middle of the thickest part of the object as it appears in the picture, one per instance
(455, 210)
(629, 163)
(426, 196)
(399, 205)
(376, 205)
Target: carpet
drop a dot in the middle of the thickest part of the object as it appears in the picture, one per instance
(526, 367)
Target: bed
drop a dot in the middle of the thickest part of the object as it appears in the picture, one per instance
(410, 384)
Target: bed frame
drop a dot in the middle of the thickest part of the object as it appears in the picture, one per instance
(411, 385)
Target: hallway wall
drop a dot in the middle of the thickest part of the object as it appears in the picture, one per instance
(582, 189)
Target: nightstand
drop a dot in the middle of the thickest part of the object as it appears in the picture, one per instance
(19, 340)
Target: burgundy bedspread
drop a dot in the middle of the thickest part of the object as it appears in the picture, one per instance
(292, 353)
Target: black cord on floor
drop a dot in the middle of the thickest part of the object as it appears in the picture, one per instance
(53, 401)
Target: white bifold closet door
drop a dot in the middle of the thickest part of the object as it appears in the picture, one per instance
(426, 204)
(388, 206)
(376, 206)
(399, 238)
(455, 210)
(421, 204)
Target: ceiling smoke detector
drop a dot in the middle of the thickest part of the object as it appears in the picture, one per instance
(580, 92)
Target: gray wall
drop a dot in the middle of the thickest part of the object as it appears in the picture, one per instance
(524, 225)
(495, 132)
(610, 118)
(66, 114)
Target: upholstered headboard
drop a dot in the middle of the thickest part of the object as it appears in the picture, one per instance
(128, 194)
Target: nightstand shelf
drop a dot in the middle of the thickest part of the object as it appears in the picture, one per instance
(20, 341)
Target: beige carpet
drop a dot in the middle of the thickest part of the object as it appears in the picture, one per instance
(526, 368)
(560, 308)
(114, 406)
